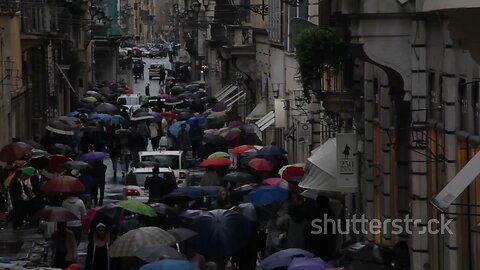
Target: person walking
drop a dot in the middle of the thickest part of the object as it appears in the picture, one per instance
(99, 170)
(87, 181)
(64, 246)
(154, 132)
(19, 199)
(125, 155)
(77, 207)
(196, 137)
(184, 138)
(147, 90)
(163, 75)
(158, 186)
(97, 251)
(114, 153)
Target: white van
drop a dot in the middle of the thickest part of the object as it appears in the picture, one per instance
(129, 100)
(168, 159)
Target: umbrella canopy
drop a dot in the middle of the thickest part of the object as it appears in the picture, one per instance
(170, 264)
(55, 214)
(212, 191)
(182, 234)
(89, 99)
(92, 156)
(239, 177)
(102, 116)
(14, 151)
(60, 127)
(56, 163)
(169, 115)
(265, 195)
(191, 214)
(200, 119)
(39, 162)
(141, 115)
(73, 122)
(94, 94)
(288, 171)
(34, 144)
(192, 192)
(107, 214)
(184, 116)
(253, 212)
(177, 90)
(216, 161)
(64, 184)
(138, 207)
(61, 149)
(278, 182)
(174, 101)
(128, 244)
(219, 154)
(270, 150)
(77, 165)
(27, 172)
(246, 188)
(221, 233)
(192, 87)
(243, 148)
(158, 252)
(175, 127)
(37, 153)
(283, 258)
(261, 164)
(106, 108)
(162, 208)
(219, 107)
(302, 263)
(214, 139)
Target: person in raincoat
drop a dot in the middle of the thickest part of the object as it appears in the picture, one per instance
(64, 246)
(97, 251)
(77, 207)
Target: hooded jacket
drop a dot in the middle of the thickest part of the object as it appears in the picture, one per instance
(76, 206)
(91, 252)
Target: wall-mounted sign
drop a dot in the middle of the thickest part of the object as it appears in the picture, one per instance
(347, 159)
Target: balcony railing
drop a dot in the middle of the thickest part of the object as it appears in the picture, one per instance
(9, 7)
(37, 19)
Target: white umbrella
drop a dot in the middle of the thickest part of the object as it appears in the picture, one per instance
(129, 243)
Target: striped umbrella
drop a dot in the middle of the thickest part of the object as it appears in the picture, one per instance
(127, 244)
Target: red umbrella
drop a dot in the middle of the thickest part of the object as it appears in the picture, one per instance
(55, 165)
(64, 184)
(217, 161)
(260, 164)
(292, 171)
(236, 123)
(168, 115)
(243, 148)
(55, 214)
(14, 151)
(279, 182)
(108, 214)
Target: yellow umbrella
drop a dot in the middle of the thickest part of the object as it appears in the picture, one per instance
(90, 99)
(219, 154)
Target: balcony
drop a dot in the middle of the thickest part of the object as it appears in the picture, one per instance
(436, 5)
(9, 8)
(39, 20)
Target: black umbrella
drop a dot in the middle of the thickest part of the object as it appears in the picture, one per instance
(34, 144)
(239, 177)
(182, 234)
(162, 208)
(199, 95)
(106, 108)
(123, 132)
(73, 122)
(60, 127)
(94, 94)
(92, 129)
(139, 116)
(209, 100)
(184, 116)
(61, 149)
(245, 188)
(213, 139)
(175, 198)
(192, 87)
(77, 165)
(174, 101)
(38, 163)
(177, 90)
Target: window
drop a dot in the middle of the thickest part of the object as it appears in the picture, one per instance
(275, 21)
(165, 161)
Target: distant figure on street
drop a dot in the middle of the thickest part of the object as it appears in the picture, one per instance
(158, 186)
(163, 75)
(184, 138)
(147, 90)
(99, 170)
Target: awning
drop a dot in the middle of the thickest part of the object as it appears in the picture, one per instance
(458, 184)
(259, 111)
(67, 80)
(225, 92)
(266, 121)
(322, 170)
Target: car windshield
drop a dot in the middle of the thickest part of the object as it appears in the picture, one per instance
(128, 100)
(142, 177)
(171, 161)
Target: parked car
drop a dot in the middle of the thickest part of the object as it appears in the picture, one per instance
(168, 159)
(129, 100)
(138, 191)
(154, 70)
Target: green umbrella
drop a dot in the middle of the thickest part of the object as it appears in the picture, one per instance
(28, 170)
(137, 207)
(37, 153)
(117, 119)
(219, 154)
(89, 99)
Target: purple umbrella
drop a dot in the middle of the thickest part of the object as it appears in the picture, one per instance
(283, 258)
(92, 156)
(302, 263)
(219, 107)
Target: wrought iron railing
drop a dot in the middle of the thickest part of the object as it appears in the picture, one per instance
(9, 7)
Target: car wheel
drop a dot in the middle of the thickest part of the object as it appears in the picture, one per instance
(149, 77)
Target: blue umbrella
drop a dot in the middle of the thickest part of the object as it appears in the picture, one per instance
(221, 233)
(302, 263)
(192, 192)
(270, 150)
(212, 191)
(191, 214)
(169, 264)
(175, 128)
(202, 120)
(283, 258)
(101, 116)
(92, 156)
(265, 195)
(73, 114)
